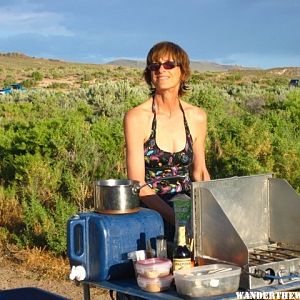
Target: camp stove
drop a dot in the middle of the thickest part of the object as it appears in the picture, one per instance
(277, 263)
(250, 221)
(274, 253)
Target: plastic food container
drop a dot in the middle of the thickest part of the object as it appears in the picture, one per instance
(154, 285)
(153, 267)
(207, 280)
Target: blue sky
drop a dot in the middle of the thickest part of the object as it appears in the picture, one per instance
(252, 33)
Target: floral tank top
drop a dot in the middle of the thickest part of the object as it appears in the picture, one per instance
(162, 164)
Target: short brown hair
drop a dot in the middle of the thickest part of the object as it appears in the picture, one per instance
(178, 54)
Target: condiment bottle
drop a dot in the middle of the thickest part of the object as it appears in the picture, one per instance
(150, 252)
(193, 263)
(182, 255)
(161, 246)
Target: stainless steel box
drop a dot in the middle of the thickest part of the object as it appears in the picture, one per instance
(235, 219)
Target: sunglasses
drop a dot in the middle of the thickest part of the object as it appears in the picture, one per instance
(168, 65)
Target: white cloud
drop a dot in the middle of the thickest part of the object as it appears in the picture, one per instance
(14, 22)
(250, 33)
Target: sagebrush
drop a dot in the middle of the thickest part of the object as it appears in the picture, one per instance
(54, 144)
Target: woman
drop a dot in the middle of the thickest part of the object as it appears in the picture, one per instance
(164, 135)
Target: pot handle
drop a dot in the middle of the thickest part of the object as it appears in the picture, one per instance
(136, 188)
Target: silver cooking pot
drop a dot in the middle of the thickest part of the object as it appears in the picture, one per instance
(120, 196)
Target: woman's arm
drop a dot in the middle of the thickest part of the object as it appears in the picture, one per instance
(135, 134)
(199, 171)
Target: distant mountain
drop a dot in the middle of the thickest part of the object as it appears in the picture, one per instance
(130, 63)
(200, 66)
(20, 59)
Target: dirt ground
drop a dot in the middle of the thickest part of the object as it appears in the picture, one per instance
(39, 270)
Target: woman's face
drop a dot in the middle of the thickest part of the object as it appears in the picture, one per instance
(166, 79)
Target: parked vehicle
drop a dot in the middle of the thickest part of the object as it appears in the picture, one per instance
(11, 88)
(5, 91)
(294, 83)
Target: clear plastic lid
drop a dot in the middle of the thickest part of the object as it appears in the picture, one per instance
(155, 263)
(154, 267)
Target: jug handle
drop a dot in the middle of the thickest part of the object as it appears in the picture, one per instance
(76, 229)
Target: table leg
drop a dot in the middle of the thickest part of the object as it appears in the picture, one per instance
(86, 291)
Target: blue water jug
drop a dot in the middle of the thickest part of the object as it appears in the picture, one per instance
(100, 242)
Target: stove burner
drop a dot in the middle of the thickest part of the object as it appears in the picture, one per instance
(273, 253)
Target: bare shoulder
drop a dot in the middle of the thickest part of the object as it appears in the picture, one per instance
(194, 113)
(138, 120)
(139, 113)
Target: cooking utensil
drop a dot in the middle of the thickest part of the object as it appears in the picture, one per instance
(120, 196)
(116, 196)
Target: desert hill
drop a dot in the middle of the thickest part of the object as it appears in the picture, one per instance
(200, 66)
(59, 74)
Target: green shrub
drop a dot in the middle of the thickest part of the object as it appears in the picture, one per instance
(28, 83)
(58, 85)
(46, 225)
(55, 144)
(37, 76)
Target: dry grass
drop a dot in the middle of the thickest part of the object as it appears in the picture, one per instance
(42, 263)
(10, 210)
(60, 75)
(41, 269)
(46, 264)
